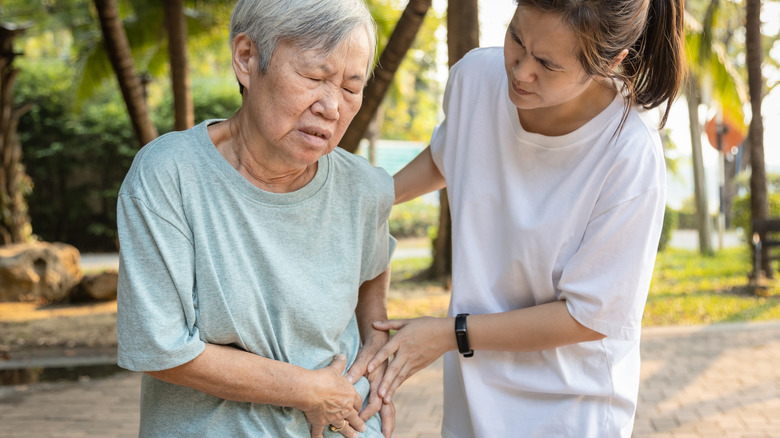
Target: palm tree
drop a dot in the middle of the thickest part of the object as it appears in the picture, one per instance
(758, 196)
(176, 25)
(462, 36)
(707, 64)
(119, 53)
(401, 39)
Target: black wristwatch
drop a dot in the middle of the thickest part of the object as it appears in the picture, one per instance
(462, 336)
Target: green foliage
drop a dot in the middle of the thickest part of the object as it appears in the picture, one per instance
(413, 219)
(78, 159)
(211, 99)
(75, 160)
(412, 103)
(670, 224)
(689, 289)
(742, 215)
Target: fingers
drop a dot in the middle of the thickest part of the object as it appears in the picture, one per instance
(339, 364)
(358, 368)
(387, 414)
(316, 431)
(373, 406)
(384, 353)
(390, 324)
(397, 372)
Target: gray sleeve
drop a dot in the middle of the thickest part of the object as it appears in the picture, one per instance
(157, 308)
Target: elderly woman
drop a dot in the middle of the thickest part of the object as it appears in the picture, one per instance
(254, 253)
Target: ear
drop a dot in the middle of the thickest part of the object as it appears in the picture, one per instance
(244, 58)
(619, 58)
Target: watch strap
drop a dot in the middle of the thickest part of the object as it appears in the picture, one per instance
(462, 335)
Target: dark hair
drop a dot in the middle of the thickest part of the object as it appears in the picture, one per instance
(652, 31)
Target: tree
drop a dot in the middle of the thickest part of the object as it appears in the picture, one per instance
(401, 39)
(758, 195)
(120, 55)
(176, 25)
(14, 221)
(707, 64)
(462, 36)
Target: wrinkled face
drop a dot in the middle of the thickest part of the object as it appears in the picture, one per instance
(301, 106)
(540, 60)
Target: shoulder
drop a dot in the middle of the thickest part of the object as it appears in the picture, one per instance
(158, 166)
(356, 173)
(637, 156)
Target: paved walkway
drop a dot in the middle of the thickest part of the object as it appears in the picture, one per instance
(709, 381)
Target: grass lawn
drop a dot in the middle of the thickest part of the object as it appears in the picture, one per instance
(686, 289)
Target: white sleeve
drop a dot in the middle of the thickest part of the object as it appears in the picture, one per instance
(605, 284)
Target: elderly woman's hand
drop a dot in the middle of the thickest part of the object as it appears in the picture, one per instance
(334, 402)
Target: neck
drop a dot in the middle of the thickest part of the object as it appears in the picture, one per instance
(255, 163)
(569, 116)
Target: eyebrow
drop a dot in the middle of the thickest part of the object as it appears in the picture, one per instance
(543, 61)
(328, 71)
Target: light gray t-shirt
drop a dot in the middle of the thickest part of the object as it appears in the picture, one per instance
(207, 257)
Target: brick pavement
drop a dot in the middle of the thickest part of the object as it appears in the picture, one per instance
(709, 381)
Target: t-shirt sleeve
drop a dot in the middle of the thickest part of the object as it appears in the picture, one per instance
(157, 308)
(605, 284)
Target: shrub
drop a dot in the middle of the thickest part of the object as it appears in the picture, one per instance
(741, 212)
(413, 219)
(670, 224)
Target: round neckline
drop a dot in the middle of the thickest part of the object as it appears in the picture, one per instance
(593, 126)
(234, 177)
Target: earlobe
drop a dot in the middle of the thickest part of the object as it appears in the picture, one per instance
(242, 58)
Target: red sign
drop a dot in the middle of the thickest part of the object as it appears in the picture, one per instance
(731, 135)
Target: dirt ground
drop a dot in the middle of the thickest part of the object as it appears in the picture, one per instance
(32, 329)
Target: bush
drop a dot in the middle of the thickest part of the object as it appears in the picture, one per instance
(670, 224)
(75, 160)
(413, 219)
(741, 212)
(78, 160)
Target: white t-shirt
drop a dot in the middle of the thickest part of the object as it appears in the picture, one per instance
(536, 219)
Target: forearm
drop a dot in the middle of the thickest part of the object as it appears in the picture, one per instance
(237, 375)
(536, 328)
(372, 305)
(417, 178)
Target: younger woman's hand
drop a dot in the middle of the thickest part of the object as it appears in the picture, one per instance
(416, 345)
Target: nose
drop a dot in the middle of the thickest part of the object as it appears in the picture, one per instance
(524, 69)
(327, 105)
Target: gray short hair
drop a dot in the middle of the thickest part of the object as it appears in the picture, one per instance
(310, 24)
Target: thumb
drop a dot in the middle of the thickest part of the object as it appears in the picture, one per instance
(339, 363)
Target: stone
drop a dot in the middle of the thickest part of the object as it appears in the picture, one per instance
(38, 271)
(96, 287)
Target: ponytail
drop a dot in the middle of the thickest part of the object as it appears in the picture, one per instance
(658, 67)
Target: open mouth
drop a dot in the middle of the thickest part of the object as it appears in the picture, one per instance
(315, 133)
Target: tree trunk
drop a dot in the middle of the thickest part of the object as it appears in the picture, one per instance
(703, 222)
(14, 220)
(176, 25)
(462, 36)
(118, 49)
(758, 197)
(399, 43)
